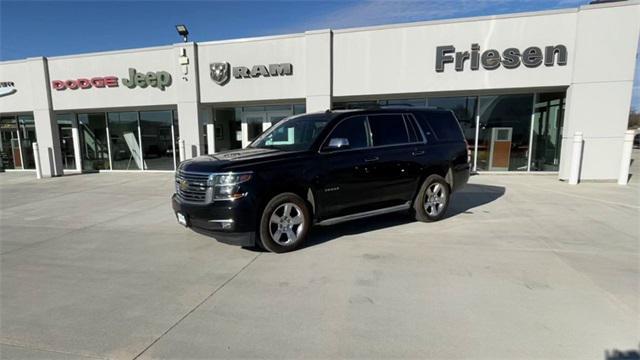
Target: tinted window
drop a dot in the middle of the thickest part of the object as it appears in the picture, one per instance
(352, 129)
(388, 130)
(443, 123)
(414, 133)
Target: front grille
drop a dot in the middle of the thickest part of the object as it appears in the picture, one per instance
(192, 186)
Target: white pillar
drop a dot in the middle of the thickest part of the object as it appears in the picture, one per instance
(318, 57)
(47, 132)
(75, 135)
(576, 158)
(187, 99)
(36, 158)
(625, 163)
(211, 139)
(182, 150)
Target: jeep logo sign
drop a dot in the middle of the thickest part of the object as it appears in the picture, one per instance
(220, 71)
(491, 59)
(159, 79)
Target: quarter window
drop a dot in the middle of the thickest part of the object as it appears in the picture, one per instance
(388, 129)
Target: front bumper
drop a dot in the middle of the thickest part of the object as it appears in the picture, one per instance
(230, 222)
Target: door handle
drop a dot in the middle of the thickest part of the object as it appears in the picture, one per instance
(418, 153)
(372, 159)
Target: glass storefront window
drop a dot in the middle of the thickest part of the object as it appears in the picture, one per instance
(548, 119)
(27, 138)
(9, 143)
(504, 129)
(65, 126)
(299, 109)
(465, 108)
(125, 145)
(93, 141)
(227, 128)
(157, 140)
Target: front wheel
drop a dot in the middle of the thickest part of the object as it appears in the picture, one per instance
(433, 199)
(285, 223)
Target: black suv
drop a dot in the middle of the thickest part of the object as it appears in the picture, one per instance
(322, 169)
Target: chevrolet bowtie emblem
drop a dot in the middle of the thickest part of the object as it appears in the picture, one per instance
(184, 184)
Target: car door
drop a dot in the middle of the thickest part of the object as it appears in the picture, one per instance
(395, 146)
(346, 182)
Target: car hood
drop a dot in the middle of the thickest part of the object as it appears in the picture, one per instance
(236, 160)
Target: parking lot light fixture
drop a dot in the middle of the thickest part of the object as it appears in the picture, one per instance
(182, 31)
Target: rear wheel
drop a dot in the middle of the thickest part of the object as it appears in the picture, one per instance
(433, 199)
(285, 223)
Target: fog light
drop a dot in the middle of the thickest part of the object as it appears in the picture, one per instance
(227, 225)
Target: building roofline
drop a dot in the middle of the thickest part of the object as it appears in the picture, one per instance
(348, 30)
(112, 52)
(251, 39)
(568, 10)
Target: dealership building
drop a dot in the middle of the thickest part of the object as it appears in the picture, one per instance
(521, 86)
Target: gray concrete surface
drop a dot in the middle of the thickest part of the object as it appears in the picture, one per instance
(95, 266)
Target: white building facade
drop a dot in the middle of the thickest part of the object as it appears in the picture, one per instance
(521, 86)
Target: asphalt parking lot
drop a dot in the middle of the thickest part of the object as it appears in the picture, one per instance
(95, 266)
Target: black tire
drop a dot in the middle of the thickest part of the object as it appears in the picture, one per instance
(435, 210)
(288, 225)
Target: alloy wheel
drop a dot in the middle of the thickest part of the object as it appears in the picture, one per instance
(435, 199)
(286, 223)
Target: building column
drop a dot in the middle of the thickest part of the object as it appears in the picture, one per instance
(599, 97)
(188, 98)
(319, 88)
(47, 133)
(211, 133)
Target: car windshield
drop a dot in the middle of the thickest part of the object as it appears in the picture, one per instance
(293, 134)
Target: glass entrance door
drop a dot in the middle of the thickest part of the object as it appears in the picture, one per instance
(93, 142)
(547, 131)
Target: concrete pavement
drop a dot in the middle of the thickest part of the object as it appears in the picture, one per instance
(95, 266)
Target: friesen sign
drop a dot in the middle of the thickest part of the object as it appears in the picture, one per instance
(159, 79)
(491, 59)
(7, 88)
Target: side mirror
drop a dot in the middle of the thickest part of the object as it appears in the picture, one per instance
(338, 143)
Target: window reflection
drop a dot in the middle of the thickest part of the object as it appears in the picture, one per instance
(503, 139)
(157, 143)
(125, 145)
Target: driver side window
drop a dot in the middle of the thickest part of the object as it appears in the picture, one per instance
(354, 130)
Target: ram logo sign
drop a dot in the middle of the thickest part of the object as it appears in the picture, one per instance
(220, 71)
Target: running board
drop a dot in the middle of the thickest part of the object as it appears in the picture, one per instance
(365, 214)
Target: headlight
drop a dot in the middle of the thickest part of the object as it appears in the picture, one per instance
(228, 178)
(226, 185)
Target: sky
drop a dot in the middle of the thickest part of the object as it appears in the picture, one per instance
(50, 28)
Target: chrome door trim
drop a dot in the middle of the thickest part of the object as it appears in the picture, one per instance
(365, 214)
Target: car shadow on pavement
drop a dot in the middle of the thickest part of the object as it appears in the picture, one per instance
(464, 201)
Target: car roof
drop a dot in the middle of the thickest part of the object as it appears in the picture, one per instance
(388, 109)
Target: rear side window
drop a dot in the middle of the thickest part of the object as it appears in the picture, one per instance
(443, 123)
(414, 133)
(388, 129)
(354, 130)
